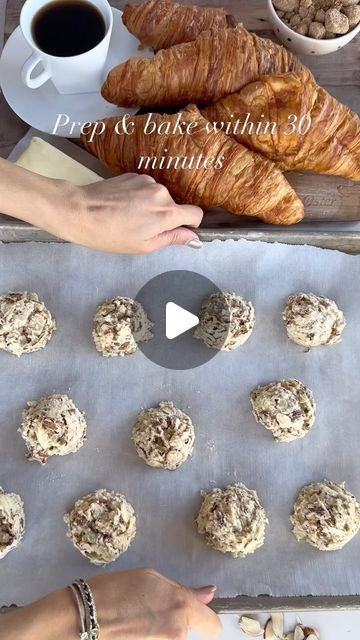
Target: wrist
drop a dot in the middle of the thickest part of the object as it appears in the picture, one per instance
(53, 205)
(54, 617)
(56, 207)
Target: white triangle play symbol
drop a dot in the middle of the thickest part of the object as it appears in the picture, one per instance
(178, 320)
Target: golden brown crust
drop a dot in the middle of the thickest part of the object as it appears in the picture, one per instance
(247, 184)
(212, 66)
(330, 146)
(161, 23)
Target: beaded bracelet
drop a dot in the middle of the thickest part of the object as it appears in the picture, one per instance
(90, 629)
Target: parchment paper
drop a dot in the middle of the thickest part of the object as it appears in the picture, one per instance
(229, 447)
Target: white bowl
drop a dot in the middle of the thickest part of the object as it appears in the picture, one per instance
(303, 44)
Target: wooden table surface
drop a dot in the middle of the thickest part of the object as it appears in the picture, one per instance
(326, 198)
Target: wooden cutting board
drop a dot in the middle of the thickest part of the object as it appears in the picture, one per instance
(326, 199)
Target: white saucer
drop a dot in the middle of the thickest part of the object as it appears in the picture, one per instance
(40, 107)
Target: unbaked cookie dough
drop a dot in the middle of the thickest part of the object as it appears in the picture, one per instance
(312, 321)
(26, 324)
(226, 321)
(12, 522)
(164, 436)
(232, 520)
(52, 426)
(326, 515)
(286, 408)
(119, 325)
(102, 525)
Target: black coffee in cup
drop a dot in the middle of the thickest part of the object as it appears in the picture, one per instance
(68, 28)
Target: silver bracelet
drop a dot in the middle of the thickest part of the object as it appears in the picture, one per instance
(80, 606)
(92, 625)
(90, 629)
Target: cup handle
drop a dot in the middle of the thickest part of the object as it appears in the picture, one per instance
(29, 66)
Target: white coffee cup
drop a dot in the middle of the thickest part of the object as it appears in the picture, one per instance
(83, 73)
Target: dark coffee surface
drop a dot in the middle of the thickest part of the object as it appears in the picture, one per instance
(68, 28)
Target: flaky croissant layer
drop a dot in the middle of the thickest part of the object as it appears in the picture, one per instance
(212, 66)
(236, 179)
(313, 131)
(161, 23)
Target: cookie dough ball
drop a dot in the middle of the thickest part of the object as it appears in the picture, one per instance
(119, 325)
(326, 516)
(286, 408)
(26, 324)
(226, 321)
(52, 426)
(164, 436)
(312, 321)
(12, 522)
(232, 520)
(102, 526)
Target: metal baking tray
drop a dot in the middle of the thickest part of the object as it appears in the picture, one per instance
(321, 228)
(323, 235)
(347, 241)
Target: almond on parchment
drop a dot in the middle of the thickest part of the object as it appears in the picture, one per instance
(299, 633)
(269, 633)
(311, 634)
(277, 620)
(274, 628)
(250, 626)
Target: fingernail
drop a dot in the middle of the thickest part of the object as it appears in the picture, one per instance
(194, 244)
(210, 588)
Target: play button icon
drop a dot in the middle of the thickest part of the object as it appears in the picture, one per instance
(178, 320)
(172, 301)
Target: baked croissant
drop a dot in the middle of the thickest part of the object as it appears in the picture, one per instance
(212, 66)
(246, 184)
(160, 23)
(332, 143)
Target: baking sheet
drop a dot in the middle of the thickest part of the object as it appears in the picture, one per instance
(229, 446)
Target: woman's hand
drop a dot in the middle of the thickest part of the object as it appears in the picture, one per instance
(132, 214)
(127, 214)
(131, 605)
(143, 605)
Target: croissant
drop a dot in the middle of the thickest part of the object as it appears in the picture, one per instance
(212, 66)
(160, 23)
(330, 145)
(209, 170)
